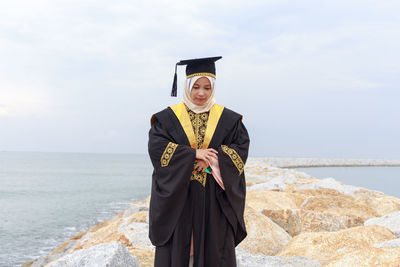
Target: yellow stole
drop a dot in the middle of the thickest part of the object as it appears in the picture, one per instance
(184, 119)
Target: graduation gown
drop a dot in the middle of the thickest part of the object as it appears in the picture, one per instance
(184, 200)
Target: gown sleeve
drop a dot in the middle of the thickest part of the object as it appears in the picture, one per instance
(232, 156)
(173, 165)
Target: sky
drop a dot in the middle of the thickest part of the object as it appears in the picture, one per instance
(311, 78)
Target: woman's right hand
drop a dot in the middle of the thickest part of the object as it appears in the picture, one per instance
(206, 154)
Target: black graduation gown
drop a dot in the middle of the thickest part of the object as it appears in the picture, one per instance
(179, 204)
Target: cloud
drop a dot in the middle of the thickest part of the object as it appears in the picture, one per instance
(91, 65)
(18, 100)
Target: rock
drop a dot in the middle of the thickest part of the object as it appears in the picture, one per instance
(106, 254)
(394, 243)
(275, 183)
(325, 218)
(325, 221)
(272, 200)
(69, 244)
(245, 259)
(308, 217)
(138, 217)
(322, 246)
(263, 235)
(295, 221)
(28, 263)
(391, 221)
(381, 203)
(45, 259)
(134, 208)
(256, 174)
(319, 192)
(143, 203)
(331, 183)
(366, 257)
(343, 205)
(137, 234)
(145, 257)
(287, 219)
(105, 232)
(133, 235)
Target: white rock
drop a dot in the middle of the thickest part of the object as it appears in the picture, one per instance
(45, 259)
(133, 208)
(245, 259)
(394, 243)
(332, 184)
(275, 183)
(137, 233)
(112, 254)
(391, 221)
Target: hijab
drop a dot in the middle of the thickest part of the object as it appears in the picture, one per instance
(187, 100)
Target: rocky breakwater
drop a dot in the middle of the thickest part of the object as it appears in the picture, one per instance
(292, 219)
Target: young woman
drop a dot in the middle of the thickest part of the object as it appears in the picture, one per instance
(198, 150)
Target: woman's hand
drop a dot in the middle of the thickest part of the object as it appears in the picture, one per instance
(201, 165)
(206, 154)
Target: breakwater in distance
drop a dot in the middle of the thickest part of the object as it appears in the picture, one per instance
(321, 162)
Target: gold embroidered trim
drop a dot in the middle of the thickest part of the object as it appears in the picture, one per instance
(199, 124)
(234, 157)
(215, 113)
(201, 74)
(183, 116)
(201, 177)
(167, 155)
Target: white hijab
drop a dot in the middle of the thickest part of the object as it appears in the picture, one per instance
(187, 100)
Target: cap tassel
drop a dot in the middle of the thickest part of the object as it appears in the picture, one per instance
(174, 85)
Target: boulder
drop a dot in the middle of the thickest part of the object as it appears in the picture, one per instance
(322, 246)
(45, 259)
(112, 254)
(381, 203)
(318, 192)
(366, 257)
(295, 221)
(287, 219)
(138, 217)
(273, 200)
(134, 208)
(245, 259)
(330, 183)
(137, 234)
(342, 205)
(394, 243)
(278, 183)
(391, 221)
(263, 235)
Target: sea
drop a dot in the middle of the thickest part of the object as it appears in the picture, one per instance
(46, 198)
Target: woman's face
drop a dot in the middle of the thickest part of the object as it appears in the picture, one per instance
(201, 91)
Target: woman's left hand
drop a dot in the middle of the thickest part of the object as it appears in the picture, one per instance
(201, 165)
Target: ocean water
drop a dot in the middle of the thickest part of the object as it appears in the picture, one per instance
(46, 198)
(382, 179)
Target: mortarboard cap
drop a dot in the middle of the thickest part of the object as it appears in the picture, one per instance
(196, 67)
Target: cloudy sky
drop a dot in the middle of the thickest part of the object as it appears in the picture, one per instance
(311, 78)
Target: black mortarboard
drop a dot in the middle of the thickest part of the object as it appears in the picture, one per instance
(196, 67)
